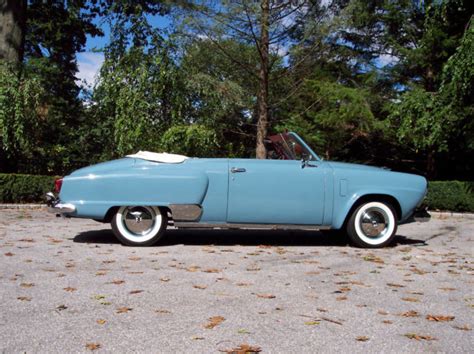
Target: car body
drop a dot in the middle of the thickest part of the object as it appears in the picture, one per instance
(293, 188)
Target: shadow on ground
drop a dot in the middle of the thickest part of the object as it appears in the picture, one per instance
(240, 237)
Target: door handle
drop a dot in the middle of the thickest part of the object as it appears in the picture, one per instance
(237, 170)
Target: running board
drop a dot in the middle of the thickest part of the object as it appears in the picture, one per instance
(198, 225)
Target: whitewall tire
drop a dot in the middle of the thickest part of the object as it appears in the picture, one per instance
(372, 225)
(139, 225)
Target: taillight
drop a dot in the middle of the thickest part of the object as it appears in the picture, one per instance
(58, 184)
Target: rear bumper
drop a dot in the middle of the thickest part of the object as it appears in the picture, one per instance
(55, 206)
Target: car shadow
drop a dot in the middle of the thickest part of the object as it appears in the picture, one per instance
(200, 237)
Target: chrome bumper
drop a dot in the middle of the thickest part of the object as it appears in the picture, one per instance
(55, 206)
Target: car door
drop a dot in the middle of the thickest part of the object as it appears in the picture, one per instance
(276, 192)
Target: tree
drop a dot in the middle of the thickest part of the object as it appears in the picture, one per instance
(12, 30)
(266, 25)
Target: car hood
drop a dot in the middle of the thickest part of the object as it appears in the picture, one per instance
(353, 166)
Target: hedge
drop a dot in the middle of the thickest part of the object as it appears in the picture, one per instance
(442, 195)
(451, 195)
(16, 188)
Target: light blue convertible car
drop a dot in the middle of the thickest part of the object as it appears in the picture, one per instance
(141, 194)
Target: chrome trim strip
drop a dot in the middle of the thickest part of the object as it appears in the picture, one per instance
(198, 225)
(185, 212)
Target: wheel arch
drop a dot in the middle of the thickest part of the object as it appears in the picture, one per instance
(113, 210)
(372, 197)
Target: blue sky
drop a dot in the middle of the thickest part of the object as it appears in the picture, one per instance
(90, 60)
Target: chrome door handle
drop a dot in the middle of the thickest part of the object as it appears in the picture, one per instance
(237, 169)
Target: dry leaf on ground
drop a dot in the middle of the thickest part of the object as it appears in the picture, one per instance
(93, 346)
(410, 313)
(418, 336)
(123, 309)
(201, 287)
(362, 338)
(135, 292)
(69, 289)
(266, 296)
(439, 318)
(214, 321)
(242, 349)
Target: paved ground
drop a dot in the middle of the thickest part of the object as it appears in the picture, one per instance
(67, 285)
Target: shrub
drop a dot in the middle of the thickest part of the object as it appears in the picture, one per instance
(16, 188)
(450, 195)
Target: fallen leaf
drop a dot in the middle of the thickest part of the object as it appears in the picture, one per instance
(410, 299)
(124, 309)
(373, 258)
(341, 298)
(439, 318)
(117, 282)
(463, 328)
(418, 336)
(242, 349)
(24, 298)
(135, 292)
(266, 296)
(27, 285)
(162, 311)
(100, 273)
(243, 331)
(197, 338)
(447, 289)
(134, 258)
(387, 322)
(393, 285)
(9, 254)
(101, 321)
(201, 287)
(93, 346)
(410, 313)
(165, 279)
(61, 307)
(193, 269)
(312, 323)
(99, 297)
(70, 289)
(211, 270)
(214, 321)
(382, 312)
(362, 338)
(243, 284)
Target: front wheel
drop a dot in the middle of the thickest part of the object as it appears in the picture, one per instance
(139, 225)
(372, 225)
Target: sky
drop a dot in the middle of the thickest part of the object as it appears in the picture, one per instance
(90, 60)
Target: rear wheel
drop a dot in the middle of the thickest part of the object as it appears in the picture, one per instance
(372, 225)
(139, 225)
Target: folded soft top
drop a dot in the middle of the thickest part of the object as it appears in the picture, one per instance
(159, 157)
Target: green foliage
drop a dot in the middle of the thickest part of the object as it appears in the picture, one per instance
(20, 112)
(17, 188)
(330, 115)
(451, 195)
(191, 140)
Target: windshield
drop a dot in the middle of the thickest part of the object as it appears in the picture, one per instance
(288, 146)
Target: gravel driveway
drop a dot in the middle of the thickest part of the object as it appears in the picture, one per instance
(68, 285)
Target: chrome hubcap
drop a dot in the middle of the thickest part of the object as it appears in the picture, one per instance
(139, 220)
(374, 222)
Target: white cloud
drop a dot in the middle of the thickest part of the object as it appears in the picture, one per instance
(89, 64)
(386, 59)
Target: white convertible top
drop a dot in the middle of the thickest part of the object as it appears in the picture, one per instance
(159, 157)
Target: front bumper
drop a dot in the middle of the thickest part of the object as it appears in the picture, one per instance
(55, 206)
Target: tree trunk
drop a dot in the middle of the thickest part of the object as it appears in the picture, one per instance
(262, 97)
(12, 30)
(431, 164)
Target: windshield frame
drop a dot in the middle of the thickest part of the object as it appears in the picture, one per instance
(281, 145)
